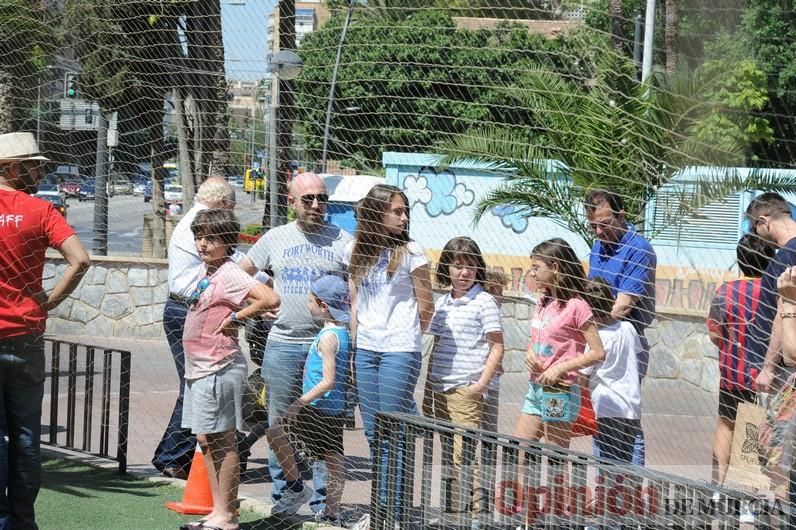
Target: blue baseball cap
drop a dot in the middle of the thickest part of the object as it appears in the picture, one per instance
(333, 291)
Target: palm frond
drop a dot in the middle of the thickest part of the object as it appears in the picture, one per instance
(495, 150)
(540, 193)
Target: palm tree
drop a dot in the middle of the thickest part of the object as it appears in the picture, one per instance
(617, 21)
(611, 133)
(671, 30)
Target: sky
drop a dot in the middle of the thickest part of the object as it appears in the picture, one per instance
(244, 24)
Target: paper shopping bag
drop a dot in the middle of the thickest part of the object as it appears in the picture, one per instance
(744, 469)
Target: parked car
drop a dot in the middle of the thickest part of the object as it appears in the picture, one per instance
(236, 181)
(148, 191)
(119, 185)
(139, 187)
(87, 190)
(51, 190)
(344, 193)
(56, 201)
(70, 187)
(172, 193)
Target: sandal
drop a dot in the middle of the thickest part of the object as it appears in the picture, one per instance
(195, 525)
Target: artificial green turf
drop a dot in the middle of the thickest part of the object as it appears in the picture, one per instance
(80, 497)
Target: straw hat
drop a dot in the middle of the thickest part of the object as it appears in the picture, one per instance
(18, 147)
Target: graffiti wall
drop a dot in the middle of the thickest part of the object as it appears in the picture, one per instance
(443, 204)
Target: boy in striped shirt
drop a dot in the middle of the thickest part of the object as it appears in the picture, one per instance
(729, 321)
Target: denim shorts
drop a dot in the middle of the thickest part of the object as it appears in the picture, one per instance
(534, 400)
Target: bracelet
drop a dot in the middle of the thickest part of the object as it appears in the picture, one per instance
(233, 317)
(787, 315)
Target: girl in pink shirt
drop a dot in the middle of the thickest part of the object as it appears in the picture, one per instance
(561, 327)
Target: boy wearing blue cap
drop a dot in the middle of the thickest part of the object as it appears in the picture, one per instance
(314, 423)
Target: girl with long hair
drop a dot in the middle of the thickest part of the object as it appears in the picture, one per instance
(561, 327)
(392, 304)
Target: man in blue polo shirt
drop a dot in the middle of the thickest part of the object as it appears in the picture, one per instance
(770, 218)
(624, 259)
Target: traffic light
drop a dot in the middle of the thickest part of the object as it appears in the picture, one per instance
(70, 86)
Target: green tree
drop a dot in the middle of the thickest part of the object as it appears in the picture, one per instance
(616, 133)
(127, 54)
(769, 28)
(505, 9)
(26, 42)
(407, 87)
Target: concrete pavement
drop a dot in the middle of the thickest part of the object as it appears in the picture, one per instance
(678, 423)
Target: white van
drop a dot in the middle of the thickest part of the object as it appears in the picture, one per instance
(344, 193)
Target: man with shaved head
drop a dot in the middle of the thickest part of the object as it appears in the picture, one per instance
(296, 253)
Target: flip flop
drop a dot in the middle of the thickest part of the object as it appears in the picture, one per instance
(205, 526)
(195, 525)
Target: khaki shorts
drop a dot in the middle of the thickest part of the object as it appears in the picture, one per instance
(212, 404)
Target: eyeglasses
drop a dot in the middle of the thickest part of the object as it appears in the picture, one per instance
(602, 223)
(309, 198)
(204, 283)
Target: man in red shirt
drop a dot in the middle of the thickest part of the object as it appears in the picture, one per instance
(28, 226)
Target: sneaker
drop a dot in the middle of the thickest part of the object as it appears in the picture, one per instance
(746, 515)
(324, 518)
(291, 501)
(362, 524)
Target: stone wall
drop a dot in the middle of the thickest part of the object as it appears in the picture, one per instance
(124, 297)
(118, 297)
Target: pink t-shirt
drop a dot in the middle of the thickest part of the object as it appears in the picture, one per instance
(556, 334)
(206, 353)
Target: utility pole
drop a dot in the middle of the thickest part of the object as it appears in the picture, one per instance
(276, 212)
(100, 239)
(649, 33)
(330, 103)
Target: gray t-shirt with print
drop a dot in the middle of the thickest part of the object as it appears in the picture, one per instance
(296, 258)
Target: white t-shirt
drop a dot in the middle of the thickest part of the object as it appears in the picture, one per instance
(185, 265)
(387, 318)
(461, 325)
(614, 383)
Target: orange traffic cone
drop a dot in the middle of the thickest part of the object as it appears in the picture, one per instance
(197, 498)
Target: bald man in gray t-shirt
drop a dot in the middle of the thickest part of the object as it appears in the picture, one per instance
(296, 253)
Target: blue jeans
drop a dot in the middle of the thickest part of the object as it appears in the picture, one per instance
(386, 383)
(616, 437)
(283, 372)
(21, 392)
(177, 447)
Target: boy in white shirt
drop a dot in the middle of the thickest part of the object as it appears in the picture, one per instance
(614, 383)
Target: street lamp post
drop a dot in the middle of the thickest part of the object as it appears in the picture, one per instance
(330, 103)
(284, 66)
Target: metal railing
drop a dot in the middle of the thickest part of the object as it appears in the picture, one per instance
(505, 482)
(88, 366)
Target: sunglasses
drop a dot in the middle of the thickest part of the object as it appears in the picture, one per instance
(204, 283)
(309, 198)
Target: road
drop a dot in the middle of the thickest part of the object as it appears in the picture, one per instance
(126, 221)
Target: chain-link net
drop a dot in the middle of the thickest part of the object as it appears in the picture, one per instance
(601, 195)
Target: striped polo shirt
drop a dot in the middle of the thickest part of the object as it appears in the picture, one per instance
(732, 316)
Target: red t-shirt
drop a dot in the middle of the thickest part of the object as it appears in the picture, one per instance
(27, 227)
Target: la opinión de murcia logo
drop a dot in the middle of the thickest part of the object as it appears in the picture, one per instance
(623, 498)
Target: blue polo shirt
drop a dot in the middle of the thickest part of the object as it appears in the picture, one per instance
(629, 267)
(760, 331)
